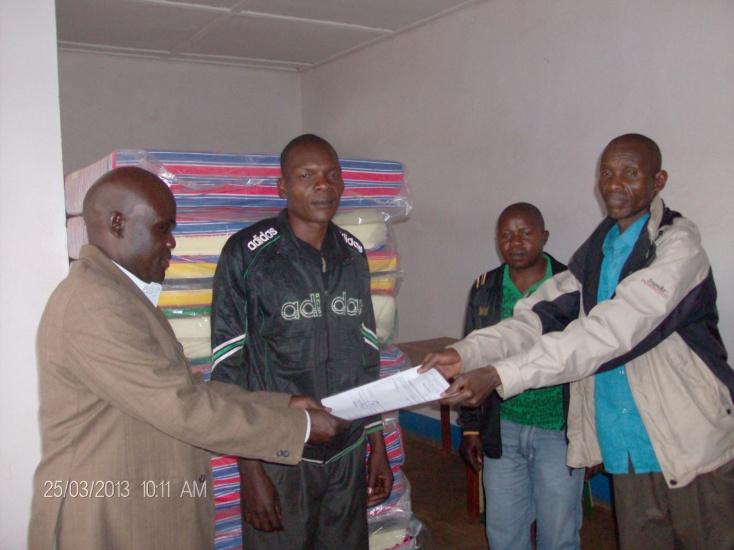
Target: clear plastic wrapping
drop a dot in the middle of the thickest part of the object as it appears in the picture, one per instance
(368, 225)
(386, 313)
(205, 180)
(391, 524)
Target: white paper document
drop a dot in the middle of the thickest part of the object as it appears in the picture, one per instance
(401, 390)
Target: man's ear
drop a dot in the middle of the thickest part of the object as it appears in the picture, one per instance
(281, 189)
(117, 224)
(659, 180)
(546, 234)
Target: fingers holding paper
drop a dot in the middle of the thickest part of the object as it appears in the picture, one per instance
(448, 362)
(472, 388)
(304, 402)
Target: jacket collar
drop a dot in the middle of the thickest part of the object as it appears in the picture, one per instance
(333, 248)
(95, 258)
(586, 262)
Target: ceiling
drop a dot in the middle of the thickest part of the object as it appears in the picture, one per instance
(276, 34)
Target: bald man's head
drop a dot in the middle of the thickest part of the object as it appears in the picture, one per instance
(652, 152)
(630, 177)
(130, 213)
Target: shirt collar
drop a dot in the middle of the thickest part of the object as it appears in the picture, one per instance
(509, 284)
(618, 241)
(152, 291)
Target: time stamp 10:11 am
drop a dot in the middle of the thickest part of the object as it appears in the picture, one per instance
(71, 488)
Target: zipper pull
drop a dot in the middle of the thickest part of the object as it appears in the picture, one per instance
(323, 264)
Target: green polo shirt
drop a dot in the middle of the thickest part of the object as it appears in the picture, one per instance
(542, 408)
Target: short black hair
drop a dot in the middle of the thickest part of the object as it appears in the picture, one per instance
(526, 208)
(656, 157)
(303, 139)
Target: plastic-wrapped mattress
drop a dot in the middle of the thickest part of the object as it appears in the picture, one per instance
(205, 180)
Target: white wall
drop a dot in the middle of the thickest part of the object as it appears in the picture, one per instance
(32, 239)
(514, 100)
(115, 103)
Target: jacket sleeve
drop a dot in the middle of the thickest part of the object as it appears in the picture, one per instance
(127, 363)
(557, 299)
(229, 317)
(370, 344)
(648, 305)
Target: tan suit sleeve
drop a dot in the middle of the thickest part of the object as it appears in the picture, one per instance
(126, 356)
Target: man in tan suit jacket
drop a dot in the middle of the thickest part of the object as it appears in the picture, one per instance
(124, 426)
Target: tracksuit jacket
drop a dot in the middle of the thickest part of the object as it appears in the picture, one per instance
(661, 323)
(484, 309)
(289, 318)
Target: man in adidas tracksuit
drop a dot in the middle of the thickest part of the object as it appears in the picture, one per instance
(292, 311)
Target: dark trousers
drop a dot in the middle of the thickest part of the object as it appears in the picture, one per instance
(699, 516)
(324, 506)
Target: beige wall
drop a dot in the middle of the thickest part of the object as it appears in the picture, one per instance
(514, 100)
(32, 240)
(114, 103)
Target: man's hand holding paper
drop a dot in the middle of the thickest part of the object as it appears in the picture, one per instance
(469, 389)
(472, 388)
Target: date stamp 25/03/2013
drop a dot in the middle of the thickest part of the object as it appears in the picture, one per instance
(70, 488)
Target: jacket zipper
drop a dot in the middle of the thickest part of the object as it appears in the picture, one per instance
(325, 292)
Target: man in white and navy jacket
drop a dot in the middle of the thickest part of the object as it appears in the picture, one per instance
(637, 310)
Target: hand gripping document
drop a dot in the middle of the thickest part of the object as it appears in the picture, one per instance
(401, 390)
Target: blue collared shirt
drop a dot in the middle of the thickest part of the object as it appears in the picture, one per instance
(622, 436)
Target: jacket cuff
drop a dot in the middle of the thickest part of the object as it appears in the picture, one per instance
(512, 382)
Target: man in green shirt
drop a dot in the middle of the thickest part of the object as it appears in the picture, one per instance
(520, 443)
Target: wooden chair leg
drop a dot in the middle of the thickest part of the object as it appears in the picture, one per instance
(445, 429)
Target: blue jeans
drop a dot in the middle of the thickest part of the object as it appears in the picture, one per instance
(532, 482)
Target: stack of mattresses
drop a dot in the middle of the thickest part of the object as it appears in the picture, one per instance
(216, 196)
(209, 180)
(392, 524)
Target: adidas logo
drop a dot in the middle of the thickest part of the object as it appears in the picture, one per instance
(351, 241)
(341, 305)
(311, 307)
(261, 238)
(308, 308)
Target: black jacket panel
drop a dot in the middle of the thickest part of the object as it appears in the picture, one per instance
(289, 318)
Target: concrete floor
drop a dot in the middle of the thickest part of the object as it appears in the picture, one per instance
(438, 486)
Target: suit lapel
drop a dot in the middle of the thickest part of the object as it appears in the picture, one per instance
(99, 260)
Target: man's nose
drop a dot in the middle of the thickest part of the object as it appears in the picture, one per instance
(323, 182)
(615, 181)
(171, 242)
